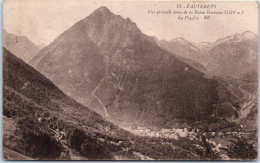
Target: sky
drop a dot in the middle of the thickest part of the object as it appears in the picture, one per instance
(44, 20)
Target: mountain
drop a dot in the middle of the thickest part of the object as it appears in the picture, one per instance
(73, 62)
(235, 62)
(41, 122)
(20, 46)
(35, 108)
(232, 61)
(21, 79)
(173, 110)
(108, 64)
(187, 52)
(235, 56)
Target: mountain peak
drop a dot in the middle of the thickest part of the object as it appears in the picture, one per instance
(103, 10)
(248, 32)
(182, 41)
(249, 35)
(245, 36)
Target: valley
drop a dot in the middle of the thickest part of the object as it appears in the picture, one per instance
(104, 90)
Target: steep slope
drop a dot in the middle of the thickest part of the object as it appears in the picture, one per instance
(233, 62)
(24, 80)
(186, 51)
(235, 56)
(238, 102)
(38, 107)
(137, 81)
(73, 62)
(21, 46)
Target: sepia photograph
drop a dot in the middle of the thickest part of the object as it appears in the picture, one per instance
(130, 80)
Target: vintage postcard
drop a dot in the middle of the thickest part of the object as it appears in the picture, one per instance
(130, 80)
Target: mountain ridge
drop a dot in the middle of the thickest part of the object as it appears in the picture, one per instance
(227, 50)
(235, 56)
(20, 45)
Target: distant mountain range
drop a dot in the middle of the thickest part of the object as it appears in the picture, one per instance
(20, 46)
(108, 64)
(234, 56)
(187, 52)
